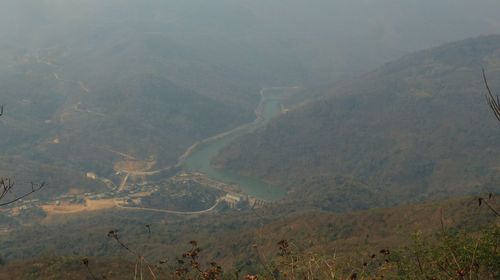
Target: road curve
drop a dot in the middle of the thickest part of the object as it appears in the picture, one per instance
(171, 211)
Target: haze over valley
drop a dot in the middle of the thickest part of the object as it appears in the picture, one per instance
(241, 123)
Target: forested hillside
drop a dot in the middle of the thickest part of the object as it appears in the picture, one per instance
(248, 242)
(87, 84)
(266, 139)
(416, 128)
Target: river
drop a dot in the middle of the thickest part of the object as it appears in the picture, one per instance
(201, 155)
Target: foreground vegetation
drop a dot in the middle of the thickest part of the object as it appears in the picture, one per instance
(453, 239)
(447, 255)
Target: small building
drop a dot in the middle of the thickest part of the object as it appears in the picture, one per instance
(232, 197)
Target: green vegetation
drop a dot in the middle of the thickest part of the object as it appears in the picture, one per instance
(200, 160)
(455, 255)
(229, 238)
(59, 134)
(63, 54)
(101, 93)
(449, 255)
(188, 196)
(417, 128)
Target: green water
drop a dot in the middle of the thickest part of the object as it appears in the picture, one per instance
(199, 160)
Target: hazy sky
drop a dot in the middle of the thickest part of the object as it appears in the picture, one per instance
(330, 37)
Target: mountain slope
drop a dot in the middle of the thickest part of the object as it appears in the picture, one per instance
(415, 128)
(65, 66)
(232, 238)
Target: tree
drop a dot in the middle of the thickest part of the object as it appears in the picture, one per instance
(6, 185)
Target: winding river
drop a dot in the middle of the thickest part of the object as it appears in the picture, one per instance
(199, 156)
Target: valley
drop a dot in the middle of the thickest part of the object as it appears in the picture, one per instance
(238, 139)
(413, 129)
(199, 157)
(196, 160)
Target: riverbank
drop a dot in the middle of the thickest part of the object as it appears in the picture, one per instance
(198, 157)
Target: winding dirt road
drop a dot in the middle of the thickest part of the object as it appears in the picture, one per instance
(219, 200)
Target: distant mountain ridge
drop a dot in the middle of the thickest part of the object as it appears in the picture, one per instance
(416, 128)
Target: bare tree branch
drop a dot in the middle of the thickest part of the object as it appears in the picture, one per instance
(482, 201)
(6, 185)
(493, 102)
(140, 257)
(85, 262)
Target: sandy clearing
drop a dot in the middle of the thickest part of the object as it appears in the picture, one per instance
(90, 205)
